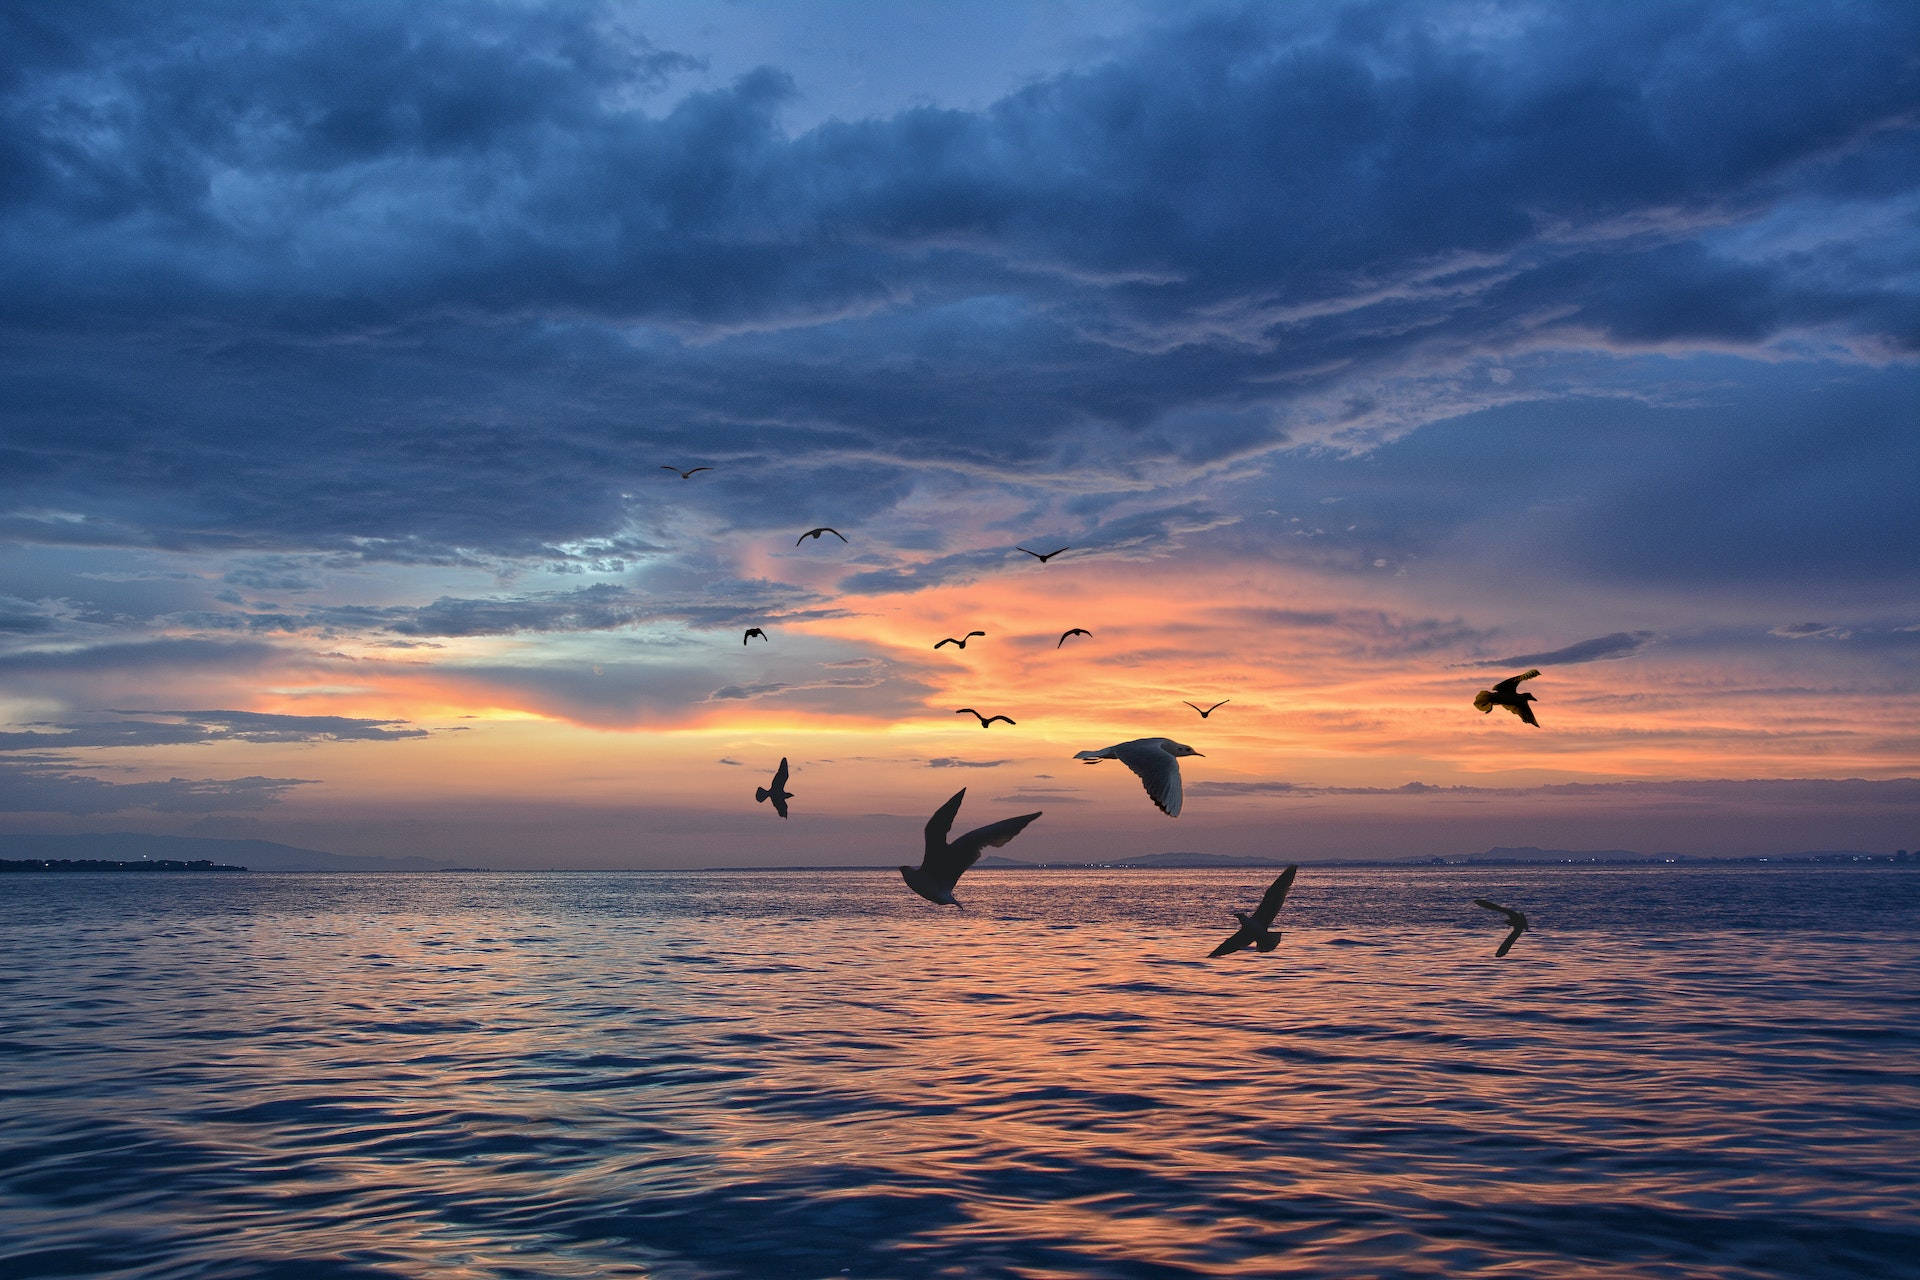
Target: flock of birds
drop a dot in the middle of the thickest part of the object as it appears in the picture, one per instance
(1155, 761)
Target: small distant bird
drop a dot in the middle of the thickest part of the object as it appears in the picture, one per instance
(1514, 918)
(685, 475)
(962, 641)
(1157, 763)
(1506, 694)
(815, 533)
(751, 632)
(1077, 631)
(1256, 927)
(984, 720)
(1210, 710)
(945, 862)
(778, 792)
(1044, 558)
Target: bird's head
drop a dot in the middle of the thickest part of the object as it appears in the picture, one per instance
(1527, 697)
(1173, 748)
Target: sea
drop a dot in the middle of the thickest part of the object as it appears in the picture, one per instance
(1680, 1071)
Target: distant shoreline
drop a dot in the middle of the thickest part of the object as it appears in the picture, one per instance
(55, 866)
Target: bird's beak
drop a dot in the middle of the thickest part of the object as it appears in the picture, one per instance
(1200, 753)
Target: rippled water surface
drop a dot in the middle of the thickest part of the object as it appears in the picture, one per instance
(1680, 1072)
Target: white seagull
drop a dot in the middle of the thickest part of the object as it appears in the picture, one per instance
(1156, 760)
(945, 862)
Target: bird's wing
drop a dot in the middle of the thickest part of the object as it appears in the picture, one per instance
(675, 470)
(803, 537)
(1158, 772)
(991, 719)
(1035, 554)
(780, 776)
(688, 473)
(1525, 711)
(836, 533)
(1513, 917)
(972, 634)
(779, 799)
(1275, 896)
(1216, 706)
(969, 711)
(1238, 942)
(947, 641)
(1507, 944)
(939, 824)
(955, 858)
(1203, 715)
(1511, 685)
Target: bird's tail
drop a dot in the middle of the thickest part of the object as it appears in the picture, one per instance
(1483, 701)
(761, 793)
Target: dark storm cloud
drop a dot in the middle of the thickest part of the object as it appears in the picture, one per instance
(391, 281)
(141, 655)
(1620, 644)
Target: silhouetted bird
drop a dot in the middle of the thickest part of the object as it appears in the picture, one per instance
(1256, 927)
(945, 862)
(1514, 918)
(751, 632)
(815, 533)
(962, 641)
(685, 475)
(1077, 631)
(1155, 760)
(984, 720)
(1506, 694)
(778, 792)
(1044, 558)
(1210, 710)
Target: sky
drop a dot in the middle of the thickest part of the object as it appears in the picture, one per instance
(1361, 354)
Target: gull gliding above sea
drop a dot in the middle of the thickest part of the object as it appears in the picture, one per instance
(945, 862)
(1156, 761)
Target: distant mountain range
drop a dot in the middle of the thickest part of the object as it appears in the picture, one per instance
(254, 855)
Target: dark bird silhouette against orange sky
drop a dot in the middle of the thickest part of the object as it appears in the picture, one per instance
(1077, 631)
(1210, 710)
(1044, 558)
(778, 792)
(984, 720)
(1506, 694)
(962, 641)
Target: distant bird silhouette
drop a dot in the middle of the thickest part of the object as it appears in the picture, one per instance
(1506, 694)
(1044, 558)
(751, 632)
(1256, 927)
(1157, 763)
(778, 792)
(962, 641)
(1210, 710)
(1514, 918)
(1077, 631)
(815, 533)
(946, 861)
(685, 475)
(984, 720)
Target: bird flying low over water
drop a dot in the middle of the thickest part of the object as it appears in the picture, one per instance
(1506, 694)
(1514, 918)
(685, 475)
(946, 861)
(1157, 763)
(984, 720)
(815, 533)
(1077, 631)
(1256, 926)
(778, 792)
(1044, 558)
(751, 632)
(1210, 710)
(962, 641)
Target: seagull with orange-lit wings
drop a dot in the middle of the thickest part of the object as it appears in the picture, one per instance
(1507, 694)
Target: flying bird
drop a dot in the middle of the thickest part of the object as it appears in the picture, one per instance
(1155, 760)
(1077, 631)
(815, 533)
(685, 475)
(1256, 927)
(1044, 558)
(1514, 918)
(946, 861)
(751, 632)
(962, 641)
(1506, 694)
(984, 720)
(1210, 710)
(778, 792)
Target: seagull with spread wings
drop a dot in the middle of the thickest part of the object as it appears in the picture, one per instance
(1077, 631)
(962, 641)
(984, 720)
(1044, 558)
(1515, 918)
(815, 534)
(946, 860)
(750, 633)
(1156, 761)
(685, 475)
(1210, 710)
(1256, 926)
(1507, 694)
(778, 792)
